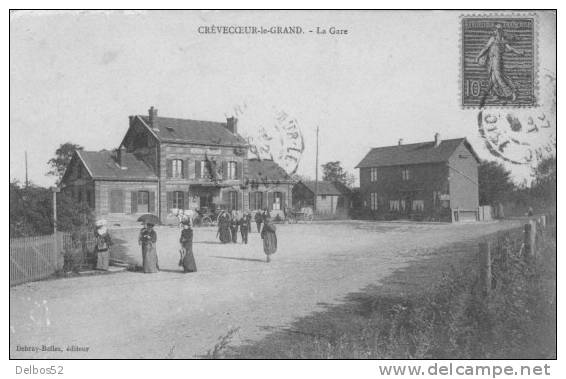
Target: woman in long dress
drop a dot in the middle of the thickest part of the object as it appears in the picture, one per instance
(147, 240)
(187, 258)
(269, 238)
(224, 227)
(102, 247)
(234, 223)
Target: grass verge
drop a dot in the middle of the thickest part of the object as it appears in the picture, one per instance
(433, 310)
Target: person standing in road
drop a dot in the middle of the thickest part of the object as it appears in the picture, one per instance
(187, 260)
(102, 247)
(245, 227)
(234, 222)
(147, 240)
(269, 238)
(258, 218)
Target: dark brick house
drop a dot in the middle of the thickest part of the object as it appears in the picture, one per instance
(435, 180)
(164, 163)
(333, 197)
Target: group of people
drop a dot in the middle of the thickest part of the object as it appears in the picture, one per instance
(228, 226)
(229, 223)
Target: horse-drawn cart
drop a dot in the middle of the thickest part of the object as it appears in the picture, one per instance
(296, 215)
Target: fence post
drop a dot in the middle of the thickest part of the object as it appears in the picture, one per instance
(485, 267)
(529, 238)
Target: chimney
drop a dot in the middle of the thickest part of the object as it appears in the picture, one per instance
(400, 142)
(232, 125)
(153, 118)
(437, 139)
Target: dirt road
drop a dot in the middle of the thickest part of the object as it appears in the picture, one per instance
(176, 315)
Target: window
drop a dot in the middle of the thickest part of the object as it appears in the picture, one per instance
(233, 200)
(256, 200)
(178, 200)
(143, 202)
(406, 174)
(277, 201)
(177, 168)
(231, 167)
(116, 201)
(322, 197)
(374, 203)
(394, 205)
(402, 205)
(80, 196)
(373, 174)
(89, 199)
(418, 205)
(79, 172)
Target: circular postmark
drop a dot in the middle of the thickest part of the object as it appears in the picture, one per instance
(520, 136)
(272, 134)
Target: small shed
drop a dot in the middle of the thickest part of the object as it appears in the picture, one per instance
(332, 197)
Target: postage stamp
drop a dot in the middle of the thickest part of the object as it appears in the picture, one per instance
(498, 61)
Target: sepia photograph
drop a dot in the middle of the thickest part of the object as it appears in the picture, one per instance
(284, 184)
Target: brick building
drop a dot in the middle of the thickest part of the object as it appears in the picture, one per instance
(435, 180)
(164, 163)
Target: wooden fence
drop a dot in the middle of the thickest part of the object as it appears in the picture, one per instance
(35, 258)
(526, 249)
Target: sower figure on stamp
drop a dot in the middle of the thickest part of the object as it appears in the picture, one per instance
(492, 57)
(187, 260)
(269, 238)
(102, 247)
(147, 240)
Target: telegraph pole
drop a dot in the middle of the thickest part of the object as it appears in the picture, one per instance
(27, 181)
(316, 172)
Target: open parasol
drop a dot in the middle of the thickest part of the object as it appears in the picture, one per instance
(149, 218)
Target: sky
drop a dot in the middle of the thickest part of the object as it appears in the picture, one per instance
(77, 76)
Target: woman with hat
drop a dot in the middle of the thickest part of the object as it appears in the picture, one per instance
(102, 247)
(187, 260)
(224, 227)
(147, 240)
(269, 237)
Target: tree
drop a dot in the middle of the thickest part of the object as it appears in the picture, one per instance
(333, 172)
(31, 211)
(62, 158)
(544, 185)
(494, 182)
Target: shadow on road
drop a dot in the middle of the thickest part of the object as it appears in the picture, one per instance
(241, 259)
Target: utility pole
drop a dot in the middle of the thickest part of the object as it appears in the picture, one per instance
(316, 172)
(27, 181)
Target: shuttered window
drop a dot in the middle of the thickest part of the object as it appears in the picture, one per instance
(233, 200)
(116, 201)
(198, 169)
(177, 168)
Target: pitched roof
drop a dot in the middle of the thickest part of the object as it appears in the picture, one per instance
(326, 188)
(266, 170)
(102, 165)
(414, 153)
(194, 131)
